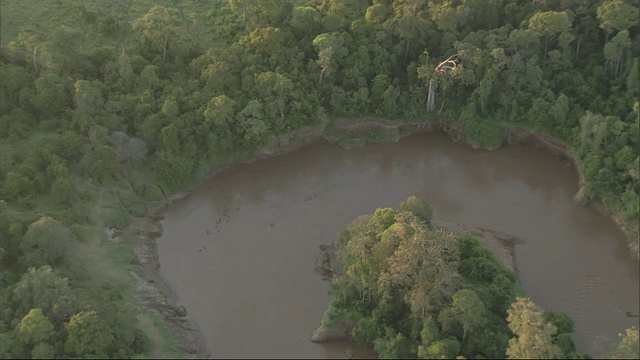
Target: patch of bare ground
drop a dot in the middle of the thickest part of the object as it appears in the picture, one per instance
(365, 124)
(315, 135)
(300, 139)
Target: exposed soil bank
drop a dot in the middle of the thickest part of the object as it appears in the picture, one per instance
(501, 244)
(154, 291)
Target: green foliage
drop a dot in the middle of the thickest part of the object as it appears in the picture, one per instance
(153, 193)
(430, 332)
(172, 170)
(87, 335)
(366, 330)
(128, 198)
(158, 25)
(11, 347)
(393, 346)
(466, 309)
(563, 337)
(45, 242)
(117, 219)
(35, 328)
(209, 83)
(412, 290)
(533, 333)
(101, 164)
(616, 15)
(42, 289)
(43, 351)
(628, 347)
(417, 207)
(63, 191)
(442, 349)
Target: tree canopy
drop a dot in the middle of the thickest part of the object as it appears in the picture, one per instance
(412, 290)
(130, 97)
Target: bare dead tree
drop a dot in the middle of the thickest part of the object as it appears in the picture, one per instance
(448, 65)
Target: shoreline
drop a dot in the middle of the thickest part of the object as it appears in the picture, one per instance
(155, 293)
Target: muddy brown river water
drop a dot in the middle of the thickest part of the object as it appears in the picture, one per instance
(240, 249)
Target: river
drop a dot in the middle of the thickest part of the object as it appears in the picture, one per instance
(240, 249)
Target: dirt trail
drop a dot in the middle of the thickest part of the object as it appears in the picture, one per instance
(93, 253)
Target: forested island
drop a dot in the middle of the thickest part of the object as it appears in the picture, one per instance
(109, 108)
(414, 290)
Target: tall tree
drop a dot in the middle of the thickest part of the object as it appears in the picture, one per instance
(616, 15)
(533, 334)
(330, 51)
(46, 242)
(550, 24)
(87, 336)
(466, 309)
(35, 329)
(628, 347)
(42, 289)
(34, 43)
(88, 97)
(158, 25)
(615, 52)
(52, 96)
(409, 22)
(251, 123)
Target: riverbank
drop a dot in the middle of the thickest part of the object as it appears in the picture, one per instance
(562, 152)
(366, 130)
(157, 295)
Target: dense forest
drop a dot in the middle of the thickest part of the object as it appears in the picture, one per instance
(413, 290)
(109, 106)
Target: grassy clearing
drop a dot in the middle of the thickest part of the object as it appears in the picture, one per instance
(101, 260)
